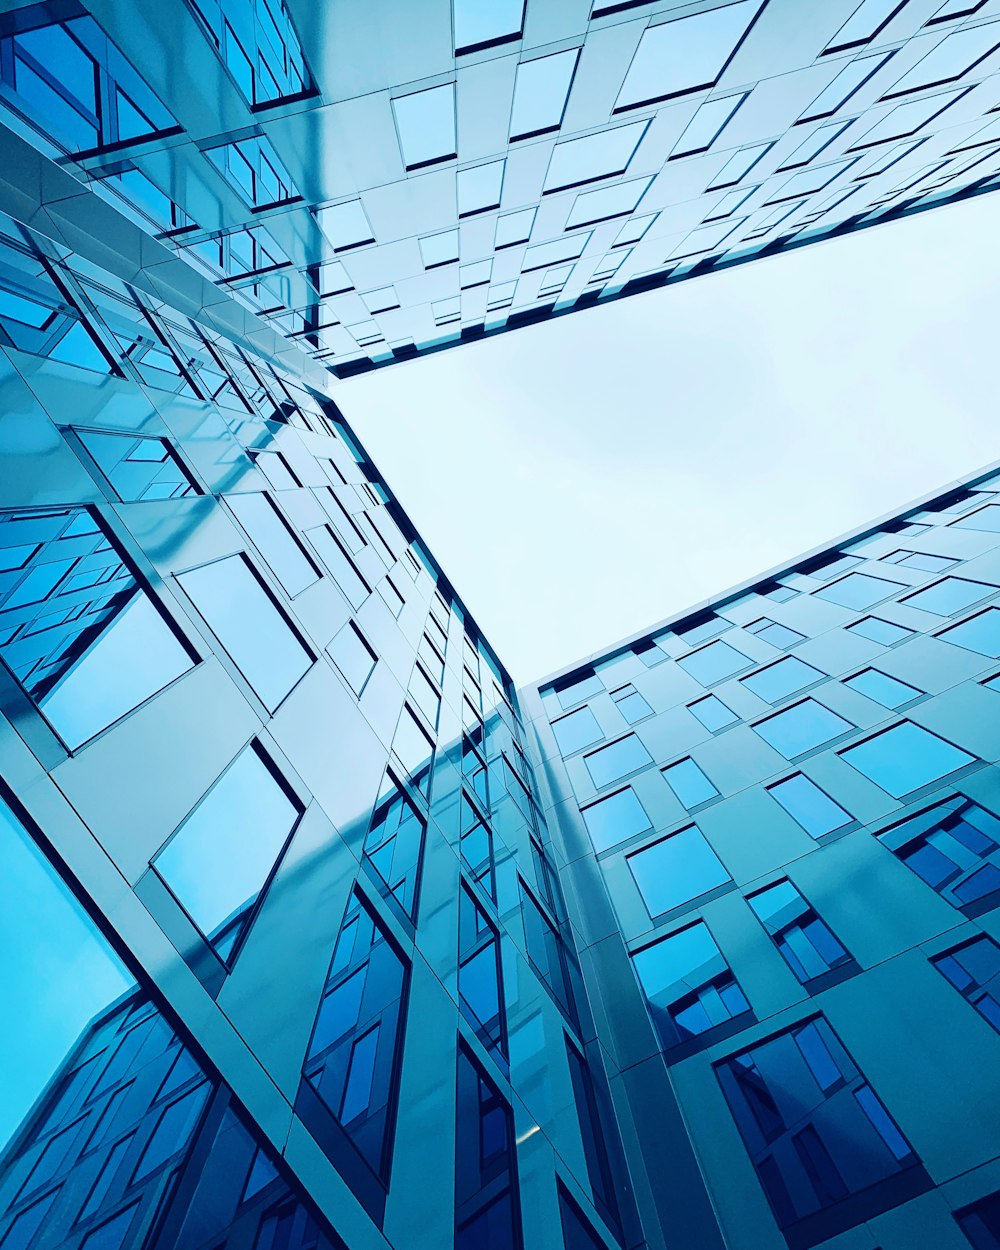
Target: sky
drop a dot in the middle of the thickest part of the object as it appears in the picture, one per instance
(581, 479)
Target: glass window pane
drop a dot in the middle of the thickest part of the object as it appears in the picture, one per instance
(952, 594)
(578, 729)
(806, 803)
(541, 90)
(713, 713)
(714, 663)
(676, 870)
(979, 633)
(614, 761)
(480, 25)
(905, 758)
(882, 688)
(353, 657)
(885, 632)
(248, 623)
(802, 728)
(274, 540)
(603, 155)
(859, 590)
(781, 679)
(425, 122)
(689, 783)
(615, 819)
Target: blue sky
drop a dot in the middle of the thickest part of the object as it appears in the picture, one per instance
(582, 479)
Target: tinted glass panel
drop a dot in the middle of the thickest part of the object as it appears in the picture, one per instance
(979, 633)
(882, 688)
(781, 679)
(859, 590)
(802, 728)
(805, 802)
(578, 729)
(689, 783)
(953, 594)
(676, 869)
(713, 663)
(905, 758)
(275, 541)
(615, 819)
(616, 760)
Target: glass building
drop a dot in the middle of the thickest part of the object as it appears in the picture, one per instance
(316, 933)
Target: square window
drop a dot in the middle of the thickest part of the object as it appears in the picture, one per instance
(479, 188)
(676, 869)
(713, 663)
(859, 590)
(353, 657)
(809, 806)
(805, 943)
(275, 541)
(479, 25)
(801, 728)
(905, 758)
(974, 970)
(876, 630)
(345, 225)
(615, 819)
(979, 633)
(425, 124)
(577, 730)
(781, 679)
(616, 760)
(541, 90)
(593, 157)
(689, 783)
(954, 847)
(950, 595)
(774, 634)
(713, 713)
(951, 59)
(631, 704)
(882, 688)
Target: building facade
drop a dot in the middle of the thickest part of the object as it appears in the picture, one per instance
(314, 931)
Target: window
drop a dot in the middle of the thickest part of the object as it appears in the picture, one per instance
(615, 819)
(253, 170)
(714, 663)
(577, 1233)
(354, 658)
(876, 630)
(487, 1207)
(219, 861)
(950, 595)
(603, 155)
(439, 249)
(345, 572)
(138, 468)
(548, 955)
(808, 150)
(393, 599)
(782, 679)
(954, 847)
(689, 783)
(953, 9)
(801, 728)
(688, 986)
(275, 541)
(921, 560)
(907, 119)
(595, 1139)
(480, 982)
(953, 58)
(985, 519)
(425, 695)
(848, 82)
(805, 942)
(577, 730)
(394, 849)
(351, 1070)
(543, 255)
(345, 225)
(882, 688)
(85, 641)
(414, 749)
(706, 125)
(425, 124)
(513, 228)
(477, 847)
(687, 54)
(974, 970)
(479, 188)
(775, 634)
(979, 633)
(713, 713)
(479, 25)
(267, 65)
(739, 165)
(616, 760)
(250, 625)
(981, 1222)
(541, 90)
(868, 20)
(676, 869)
(814, 1129)
(859, 590)
(906, 757)
(810, 806)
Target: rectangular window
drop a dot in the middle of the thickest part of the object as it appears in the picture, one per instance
(616, 760)
(425, 696)
(685, 54)
(591, 207)
(775, 634)
(985, 520)
(921, 560)
(814, 144)
(595, 1139)
(809, 806)
(868, 20)
(414, 748)
(981, 1222)
(951, 59)
(354, 658)
(425, 124)
(480, 980)
(849, 81)
(631, 704)
(805, 942)
(548, 954)
(394, 850)
(577, 1234)
(801, 728)
(954, 847)
(887, 633)
(974, 970)
(345, 225)
(253, 170)
(677, 869)
(479, 188)
(580, 686)
(980, 633)
(882, 688)
(781, 679)
(713, 713)
(513, 228)
(950, 595)
(250, 626)
(218, 863)
(393, 599)
(688, 986)
(739, 165)
(706, 125)
(350, 1076)
(343, 569)
(615, 819)
(541, 90)
(273, 537)
(439, 249)
(814, 1129)
(477, 846)
(479, 26)
(907, 119)
(905, 758)
(689, 783)
(577, 730)
(593, 157)
(87, 644)
(859, 590)
(138, 468)
(713, 663)
(487, 1206)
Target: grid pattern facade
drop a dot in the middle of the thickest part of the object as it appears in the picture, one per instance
(780, 819)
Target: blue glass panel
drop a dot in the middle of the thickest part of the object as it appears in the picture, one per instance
(274, 540)
(713, 713)
(781, 679)
(689, 783)
(616, 760)
(979, 633)
(248, 623)
(950, 595)
(806, 803)
(353, 657)
(802, 728)
(479, 188)
(885, 632)
(882, 688)
(481, 23)
(859, 590)
(986, 519)
(676, 869)
(615, 819)
(541, 90)
(714, 663)
(603, 155)
(905, 758)
(425, 122)
(578, 729)
(220, 858)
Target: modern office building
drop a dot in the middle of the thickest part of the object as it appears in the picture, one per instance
(315, 933)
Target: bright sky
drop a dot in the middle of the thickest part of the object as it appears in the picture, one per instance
(581, 479)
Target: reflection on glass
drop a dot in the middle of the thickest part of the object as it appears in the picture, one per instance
(393, 847)
(84, 640)
(108, 1121)
(138, 468)
(220, 859)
